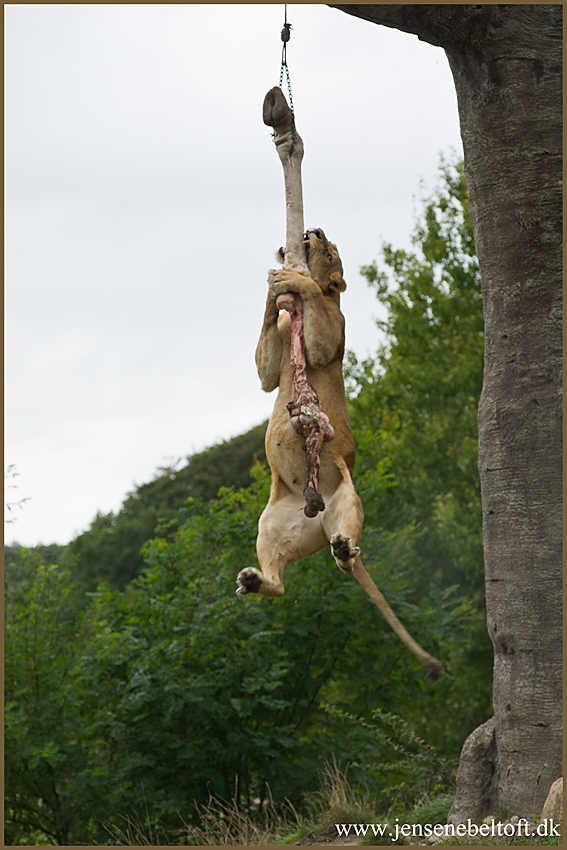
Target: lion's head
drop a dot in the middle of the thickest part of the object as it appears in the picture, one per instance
(323, 260)
(324, 263)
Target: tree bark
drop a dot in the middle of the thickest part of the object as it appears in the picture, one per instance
(506, 62)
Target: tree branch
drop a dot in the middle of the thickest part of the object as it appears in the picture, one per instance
(449, 26)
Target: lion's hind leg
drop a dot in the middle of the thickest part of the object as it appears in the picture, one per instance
(342, 522)
(285, 534)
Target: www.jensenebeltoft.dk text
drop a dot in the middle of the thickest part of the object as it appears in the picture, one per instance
(469, 829)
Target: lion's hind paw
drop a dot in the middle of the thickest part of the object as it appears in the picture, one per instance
(248, 581)
(343, 553)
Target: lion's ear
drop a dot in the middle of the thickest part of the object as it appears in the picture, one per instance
(280, 255)
(337, 282)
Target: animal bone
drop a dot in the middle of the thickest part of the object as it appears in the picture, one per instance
(277, 114)
(306, 413)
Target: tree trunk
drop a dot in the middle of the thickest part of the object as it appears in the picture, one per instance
(507, 66)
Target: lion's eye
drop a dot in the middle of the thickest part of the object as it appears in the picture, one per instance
(329, 257)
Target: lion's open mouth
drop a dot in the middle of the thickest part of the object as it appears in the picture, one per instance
(307, 240)
(307, 244)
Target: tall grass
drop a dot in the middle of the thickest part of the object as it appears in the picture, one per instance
(135, 832)
(227, 824)
(337, 801)
(221, 824)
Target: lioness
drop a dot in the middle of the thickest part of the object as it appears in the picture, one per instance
(285, 533)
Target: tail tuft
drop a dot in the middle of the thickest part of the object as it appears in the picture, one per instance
(433, 673)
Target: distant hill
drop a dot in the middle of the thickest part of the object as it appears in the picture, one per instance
(110, 550)
(226, 464)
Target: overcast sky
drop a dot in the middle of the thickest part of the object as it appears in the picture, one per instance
(144, 204)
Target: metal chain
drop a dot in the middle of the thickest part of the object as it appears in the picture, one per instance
(285, 36)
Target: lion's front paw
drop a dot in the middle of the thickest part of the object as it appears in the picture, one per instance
(248, 581)
(282, 281)
(275, 282)
(343, 553)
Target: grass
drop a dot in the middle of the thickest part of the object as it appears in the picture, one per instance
(227, 824)
(221, 824)
(434, 809)
(135, 833)
(224, 823)
(337, 801)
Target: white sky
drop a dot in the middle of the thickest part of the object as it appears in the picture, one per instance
(144, 204)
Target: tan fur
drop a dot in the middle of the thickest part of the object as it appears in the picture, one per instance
(285, 533)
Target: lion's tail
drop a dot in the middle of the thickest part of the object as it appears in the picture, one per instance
(366, 582)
